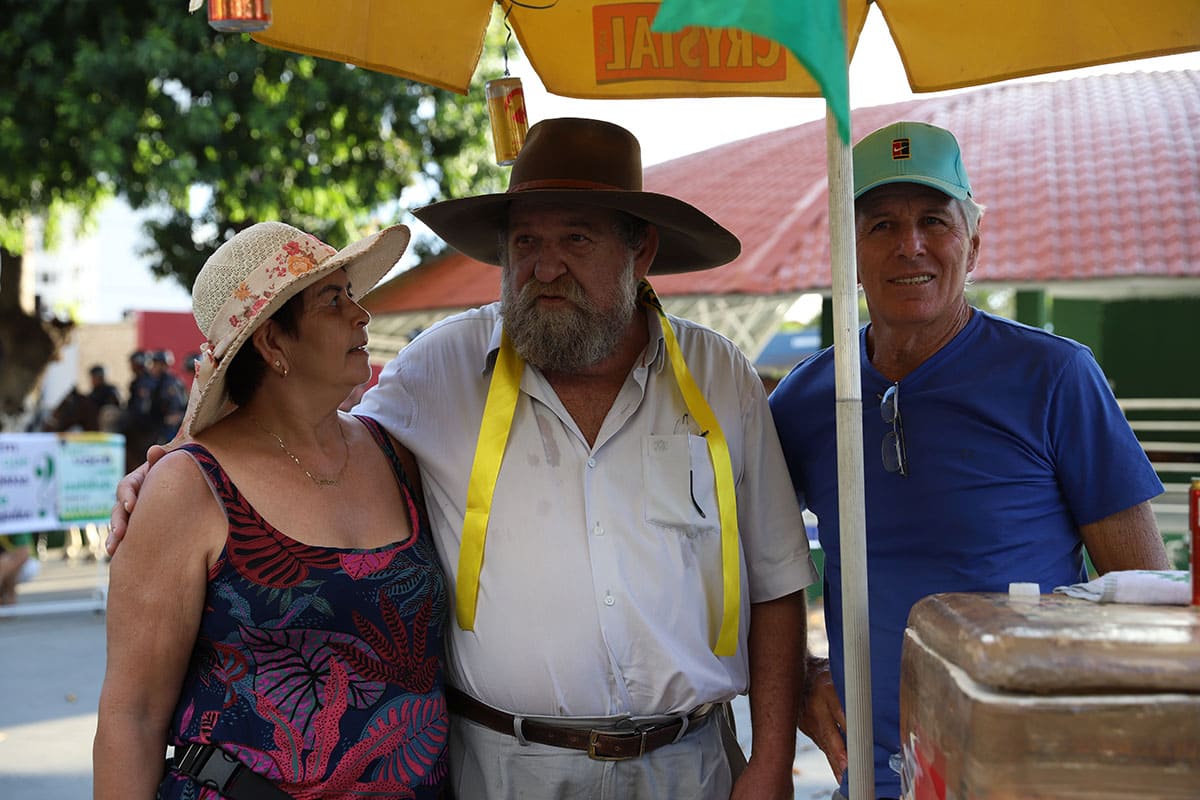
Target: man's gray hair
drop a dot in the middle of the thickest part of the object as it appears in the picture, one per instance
(972, 213)
(631, 229)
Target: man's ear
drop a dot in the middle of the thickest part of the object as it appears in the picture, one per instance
(973, 257)
(643, 257)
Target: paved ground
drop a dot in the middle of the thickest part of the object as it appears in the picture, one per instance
(52, 665)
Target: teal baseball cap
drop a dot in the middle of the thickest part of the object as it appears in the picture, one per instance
(910, 152)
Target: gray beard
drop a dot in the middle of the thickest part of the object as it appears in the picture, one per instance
(568, 340)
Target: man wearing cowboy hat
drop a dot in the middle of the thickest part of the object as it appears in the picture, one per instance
(638, 562)
(607, 494)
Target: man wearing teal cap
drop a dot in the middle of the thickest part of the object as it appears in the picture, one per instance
(994, 451)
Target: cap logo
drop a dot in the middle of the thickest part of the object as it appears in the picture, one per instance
(900, 149)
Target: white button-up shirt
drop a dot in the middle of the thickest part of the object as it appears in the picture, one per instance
(600, 593)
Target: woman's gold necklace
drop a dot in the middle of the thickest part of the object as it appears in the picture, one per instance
(318, 481)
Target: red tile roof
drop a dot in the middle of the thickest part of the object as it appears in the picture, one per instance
(1093, 178)
(449, 281)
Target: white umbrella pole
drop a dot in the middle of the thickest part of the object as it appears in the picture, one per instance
(852, 513)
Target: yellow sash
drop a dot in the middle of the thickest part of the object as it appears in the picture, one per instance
(489, 453)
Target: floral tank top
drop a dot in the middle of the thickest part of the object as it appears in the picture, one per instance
(319, 668)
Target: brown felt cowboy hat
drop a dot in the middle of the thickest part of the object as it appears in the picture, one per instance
(587, 162)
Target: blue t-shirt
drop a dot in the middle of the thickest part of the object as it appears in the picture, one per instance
(1013, 440)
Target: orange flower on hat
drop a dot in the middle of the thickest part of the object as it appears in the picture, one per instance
(298, 259)
(300, 263)
(242, 291)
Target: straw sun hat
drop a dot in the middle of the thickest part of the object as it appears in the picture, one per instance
(249, 278)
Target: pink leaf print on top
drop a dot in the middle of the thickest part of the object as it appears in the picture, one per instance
(360, 565)
(304, 776)
(295, 667)
(398, 657)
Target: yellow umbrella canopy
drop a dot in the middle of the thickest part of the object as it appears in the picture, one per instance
(579, 48)
(604, 49)
(949, 44)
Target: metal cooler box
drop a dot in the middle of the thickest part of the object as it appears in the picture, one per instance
(1049, 697)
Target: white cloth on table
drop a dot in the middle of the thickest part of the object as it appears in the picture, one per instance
(1146, 586)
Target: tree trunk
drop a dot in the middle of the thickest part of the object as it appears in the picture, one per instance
(12, 270)
(27, 345)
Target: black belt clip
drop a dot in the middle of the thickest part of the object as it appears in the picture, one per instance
(210, 766)
(199, 764)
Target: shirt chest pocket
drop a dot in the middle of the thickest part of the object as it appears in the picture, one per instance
(679, 485)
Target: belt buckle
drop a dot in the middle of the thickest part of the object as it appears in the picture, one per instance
(208, 765)
(594, 738)
(186, 761)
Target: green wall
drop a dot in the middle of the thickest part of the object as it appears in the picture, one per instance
(1153, 347)
(1081, 320)
(1031, 307)
(1148, 348)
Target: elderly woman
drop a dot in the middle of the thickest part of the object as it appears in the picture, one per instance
(276, 612)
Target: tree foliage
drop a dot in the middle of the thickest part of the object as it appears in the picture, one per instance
(143, 101)
(147, 102)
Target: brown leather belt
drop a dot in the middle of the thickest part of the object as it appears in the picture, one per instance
(599, 745)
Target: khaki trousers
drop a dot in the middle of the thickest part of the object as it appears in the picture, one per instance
(487, 765)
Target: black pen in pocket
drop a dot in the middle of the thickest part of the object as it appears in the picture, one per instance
(692, 484)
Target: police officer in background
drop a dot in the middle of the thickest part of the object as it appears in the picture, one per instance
(138, 422)
(105, 399)
(168, 398)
